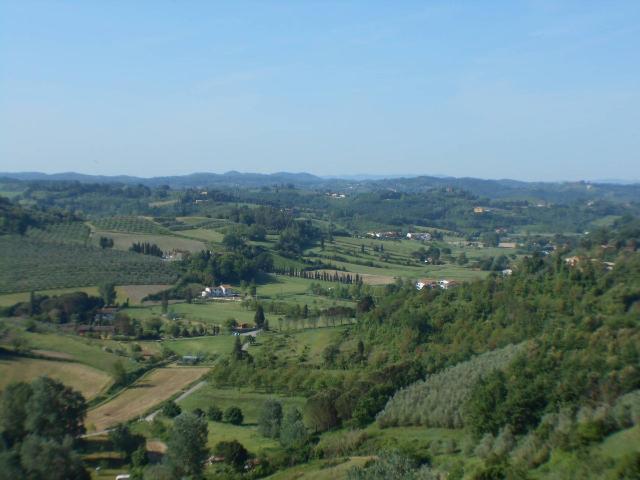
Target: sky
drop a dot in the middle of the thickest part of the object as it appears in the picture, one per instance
(530, 90)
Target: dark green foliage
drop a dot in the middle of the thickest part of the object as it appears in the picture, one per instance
(38, 426)
(187, 445)
(146, 248)
(270, 419)
(106, 242)
(233, 452)
(140, 458)
(46, 459)
(296, 237)
(258, 318)
(13, 412)
(54, 410)
(365, 304)
(234, 266)
(233, 415)
(320, 411)
(126, 442)
(60, 308)
(214, 414)
(171, 409)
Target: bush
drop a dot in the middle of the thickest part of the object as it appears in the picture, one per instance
(342, 444)
(233, 415)
(214, 414)
(233, 452)
(171, 409)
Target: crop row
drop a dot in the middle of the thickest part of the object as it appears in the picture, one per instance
(129, 225)
(76, 233)
(27, 264)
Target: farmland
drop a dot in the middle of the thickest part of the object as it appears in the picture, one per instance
(27, 264)
(123, 240)
(129, 224)
(136, 400)
(88, 380)
(74, 233)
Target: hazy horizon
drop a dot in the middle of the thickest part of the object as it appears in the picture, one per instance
(532, 91)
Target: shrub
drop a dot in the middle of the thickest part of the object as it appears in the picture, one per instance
(233, 415)
(171, 409)
(214, 414)
(233, 452)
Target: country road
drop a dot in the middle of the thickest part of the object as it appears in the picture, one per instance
(196, 387)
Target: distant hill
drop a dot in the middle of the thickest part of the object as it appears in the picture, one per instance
(555, 192)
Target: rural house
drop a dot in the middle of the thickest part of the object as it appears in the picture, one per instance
(220, 291)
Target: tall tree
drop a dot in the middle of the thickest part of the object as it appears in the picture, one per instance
(55, 410)
(270, 419)
(293, 433)
(258, 318)
(108, 293)
(165, 302)
(13, 414)
(187, 445)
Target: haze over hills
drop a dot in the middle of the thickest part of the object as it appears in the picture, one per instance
(499, 188)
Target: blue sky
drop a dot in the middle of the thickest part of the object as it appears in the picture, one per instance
(532, 90)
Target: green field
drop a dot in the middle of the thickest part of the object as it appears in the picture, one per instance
(74, 233)
(87, 380)
(129, 224)
(211, 313)
(123, 241)
(134, 293)
(249, 402)
(207, 235)
(27, 264)
(83, 350)
(220, 345)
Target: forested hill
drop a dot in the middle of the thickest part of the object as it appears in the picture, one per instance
(17, 219)
(556, 192)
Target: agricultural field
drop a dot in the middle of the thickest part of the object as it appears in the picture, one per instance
(215, 312)
(74, 233)
(27, 264)
(345, 253)
(88, 380)
(129, 224)
(205, 234)
(135, 293)
(150, 390)
(166, 242)
(210, 345)
(79, 349)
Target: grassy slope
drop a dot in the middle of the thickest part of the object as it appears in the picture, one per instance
(335, 469)
(89, 381)
(249, 402)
